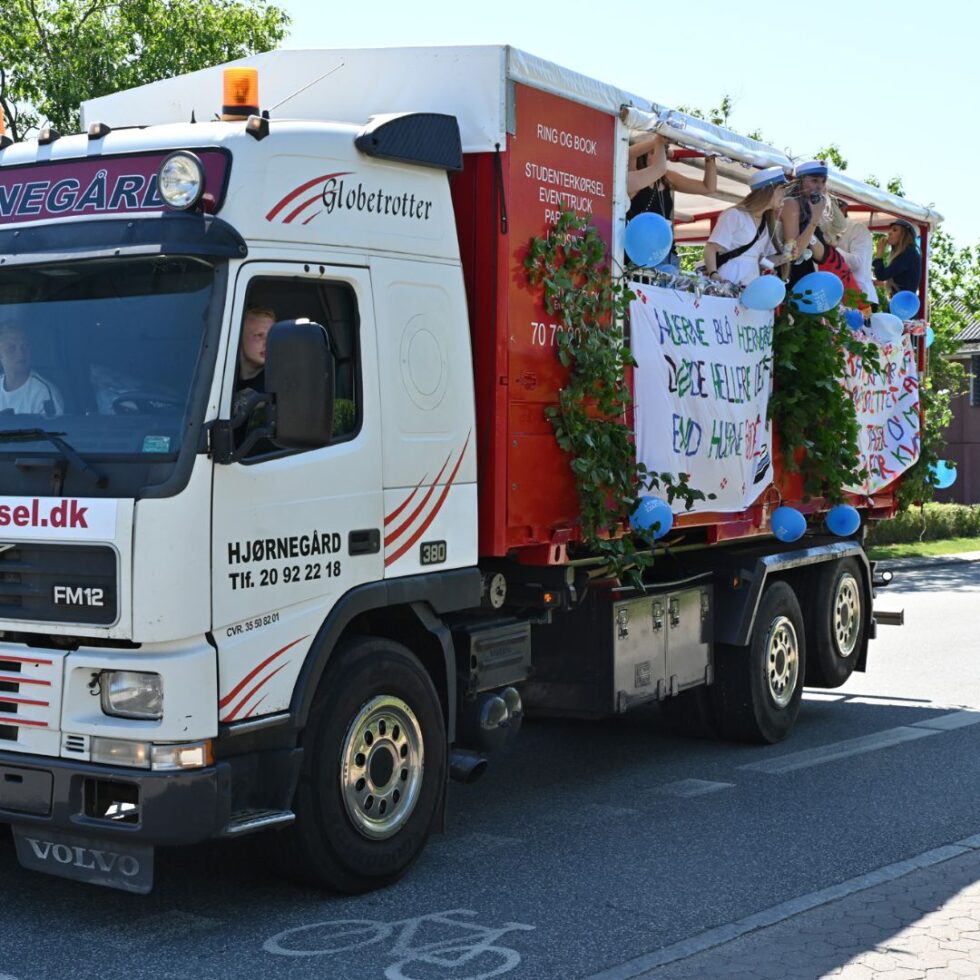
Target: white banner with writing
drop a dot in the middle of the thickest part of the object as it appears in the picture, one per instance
(701, 393)
(887, 407)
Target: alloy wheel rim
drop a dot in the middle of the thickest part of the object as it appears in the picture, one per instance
(847, 615)
(382, 762)
(782, 660)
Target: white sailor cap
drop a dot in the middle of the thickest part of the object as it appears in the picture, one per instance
(767, 178)
(811, 168)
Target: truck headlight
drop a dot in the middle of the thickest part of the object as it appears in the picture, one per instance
(145, 755)
(181, 180)
(132, 694)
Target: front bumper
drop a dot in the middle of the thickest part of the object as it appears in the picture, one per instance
(170, 807)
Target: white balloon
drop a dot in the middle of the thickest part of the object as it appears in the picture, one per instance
(886, 327)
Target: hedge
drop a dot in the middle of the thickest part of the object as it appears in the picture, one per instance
(933, 522)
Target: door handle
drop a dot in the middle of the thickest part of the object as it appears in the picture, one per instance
(365, 542)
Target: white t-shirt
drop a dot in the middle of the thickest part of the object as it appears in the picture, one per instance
(856, 247)
(733, 229)
(34, 397)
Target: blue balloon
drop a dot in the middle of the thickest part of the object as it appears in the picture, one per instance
(843, 520)
(943, 474)
(764, 293)
(654, 515)
(930, 336)
(854, 319)
(788, 524)
(904, 305)
(887, 328)
(648, 239)
(818, 292)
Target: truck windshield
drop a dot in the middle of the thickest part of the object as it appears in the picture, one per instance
(102, 352)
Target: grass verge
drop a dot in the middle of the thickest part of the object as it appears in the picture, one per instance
(923, 549)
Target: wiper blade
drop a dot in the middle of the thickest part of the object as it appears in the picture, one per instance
(55, 438)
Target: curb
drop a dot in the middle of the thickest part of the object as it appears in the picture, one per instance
(916, 564)
(642, 966)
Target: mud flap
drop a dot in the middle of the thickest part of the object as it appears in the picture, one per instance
(112, 863)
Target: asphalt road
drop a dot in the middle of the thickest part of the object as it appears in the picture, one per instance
(588, 846)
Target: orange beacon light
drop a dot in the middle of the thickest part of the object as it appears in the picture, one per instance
(241, 93)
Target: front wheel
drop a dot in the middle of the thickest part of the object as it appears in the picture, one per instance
(757, 689)
(374, 770)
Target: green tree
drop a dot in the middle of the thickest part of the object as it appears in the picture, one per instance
(56, 53)
(954, 279)
(832, 154)
(719, 115)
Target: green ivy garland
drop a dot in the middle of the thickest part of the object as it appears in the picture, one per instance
(810, 408)
(580, 290)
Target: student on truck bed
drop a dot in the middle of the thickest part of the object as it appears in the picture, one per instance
(23, 391)
(651, 185)
(904, 267)
(804, 207)
(855, 246)
(745, 235)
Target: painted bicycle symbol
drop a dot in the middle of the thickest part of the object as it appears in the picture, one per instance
(472, 954)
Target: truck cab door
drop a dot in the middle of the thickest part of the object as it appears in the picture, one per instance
(294, 530)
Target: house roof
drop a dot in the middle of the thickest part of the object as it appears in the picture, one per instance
(970, 334)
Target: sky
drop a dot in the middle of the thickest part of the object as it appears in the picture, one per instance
(894, 85)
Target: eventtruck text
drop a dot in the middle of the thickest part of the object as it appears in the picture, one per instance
(65, 513)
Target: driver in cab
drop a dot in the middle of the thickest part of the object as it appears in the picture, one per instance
(22, 390)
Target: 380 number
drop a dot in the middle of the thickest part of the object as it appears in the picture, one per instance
(432, 552)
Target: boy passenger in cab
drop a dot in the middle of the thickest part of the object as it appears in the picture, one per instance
(250, 372)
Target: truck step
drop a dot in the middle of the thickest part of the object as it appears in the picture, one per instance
(249, 821)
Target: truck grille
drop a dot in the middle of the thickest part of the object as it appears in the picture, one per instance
(56, 583)
(30, 693)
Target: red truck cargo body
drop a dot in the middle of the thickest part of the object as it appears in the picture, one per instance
(560, 155)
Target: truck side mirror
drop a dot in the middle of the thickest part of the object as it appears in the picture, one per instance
(299, 373)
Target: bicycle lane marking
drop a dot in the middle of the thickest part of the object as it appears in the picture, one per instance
(471, 950)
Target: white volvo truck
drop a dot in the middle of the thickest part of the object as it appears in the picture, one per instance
(299, 610)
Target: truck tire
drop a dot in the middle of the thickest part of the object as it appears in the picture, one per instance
(757, 689)
(374, 770)
(836, 623)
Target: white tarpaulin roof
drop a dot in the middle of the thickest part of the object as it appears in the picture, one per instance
(471, 83)
(740, 156)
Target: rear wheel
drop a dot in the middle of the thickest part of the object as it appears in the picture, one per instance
(757, 689)
(836, 623)
(374, 770)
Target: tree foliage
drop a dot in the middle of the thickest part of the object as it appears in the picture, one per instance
(954, 301)
(813, 413)
(56, 53)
